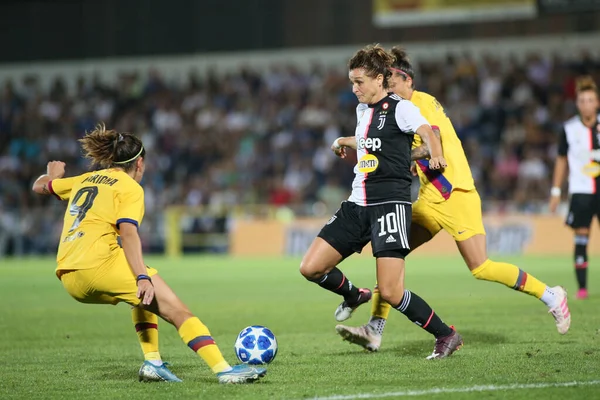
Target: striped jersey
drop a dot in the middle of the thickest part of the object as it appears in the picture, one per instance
(384, 135)
(581, 145)
(437, 185)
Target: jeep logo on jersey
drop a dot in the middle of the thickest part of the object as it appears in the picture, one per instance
(368, 163)
(369, 143)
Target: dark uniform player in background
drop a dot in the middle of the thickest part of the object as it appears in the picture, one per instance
(579, 151)
(379, 208)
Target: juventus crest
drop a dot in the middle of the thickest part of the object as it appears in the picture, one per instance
(381, 122)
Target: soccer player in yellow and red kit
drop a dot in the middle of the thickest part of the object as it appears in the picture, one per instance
(103, 205)
(448, 200)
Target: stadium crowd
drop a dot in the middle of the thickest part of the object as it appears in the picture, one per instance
(263, 138)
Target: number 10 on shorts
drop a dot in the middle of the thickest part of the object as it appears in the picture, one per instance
(394, 226)
(388, 224)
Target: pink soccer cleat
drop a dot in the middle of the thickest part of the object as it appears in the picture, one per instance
(561, 313)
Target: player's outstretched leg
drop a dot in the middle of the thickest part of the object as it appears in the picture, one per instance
(474, 252)
(447, 340)
(153, 368)
(319, 266)
(369, 336)
(197, 336)
(390, 278)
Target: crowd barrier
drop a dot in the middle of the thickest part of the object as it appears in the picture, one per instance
(508, 235)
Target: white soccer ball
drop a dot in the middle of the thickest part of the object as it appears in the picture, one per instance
(256, 345)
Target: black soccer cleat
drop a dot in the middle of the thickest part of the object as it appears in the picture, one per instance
(445, 346)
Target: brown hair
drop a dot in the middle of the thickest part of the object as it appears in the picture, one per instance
(375, 61)
(585, 83)
(110, 149)
(402, 62)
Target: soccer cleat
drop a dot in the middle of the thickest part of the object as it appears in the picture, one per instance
(363, 336)
(445, 346)
(582, 294)
(345, 310)
(561, 313)
(241, 373)
(152, 373)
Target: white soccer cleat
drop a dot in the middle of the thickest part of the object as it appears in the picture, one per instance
(241, 374)
(561, 313)
(363, 336)
(155, 373)
(345, 310)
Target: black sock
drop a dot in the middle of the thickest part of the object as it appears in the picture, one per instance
(335, 281)
(581, 260)
(419, 312)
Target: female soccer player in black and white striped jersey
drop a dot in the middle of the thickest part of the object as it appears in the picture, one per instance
(379, 208)
(448, 200)
(579, 151)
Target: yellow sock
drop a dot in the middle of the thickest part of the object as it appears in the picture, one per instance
(196, 335)
(511, 276)
(379, 308)
(146, 327)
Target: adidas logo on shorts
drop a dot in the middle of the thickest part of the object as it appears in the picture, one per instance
(390, 239)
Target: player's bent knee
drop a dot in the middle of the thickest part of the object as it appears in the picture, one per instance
(319, 260)
(391, 294)
(312, 270)
(308, 271)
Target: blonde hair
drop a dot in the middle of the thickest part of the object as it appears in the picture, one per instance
(108, 148)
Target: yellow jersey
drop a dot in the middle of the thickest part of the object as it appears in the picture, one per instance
(437, 185)
(98, 202)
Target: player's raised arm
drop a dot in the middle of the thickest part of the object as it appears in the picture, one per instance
(410, 119)
(422, 151)
(434, 145)
(339, 145)
(54, 170)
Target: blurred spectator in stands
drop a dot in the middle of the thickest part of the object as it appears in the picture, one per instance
(263, 137)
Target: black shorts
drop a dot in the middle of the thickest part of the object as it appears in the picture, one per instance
(386, 226)
(582, 209)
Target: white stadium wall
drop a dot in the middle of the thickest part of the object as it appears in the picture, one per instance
(506, 234)
(176, 68)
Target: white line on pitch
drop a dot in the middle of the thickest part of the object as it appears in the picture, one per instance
(479, 388)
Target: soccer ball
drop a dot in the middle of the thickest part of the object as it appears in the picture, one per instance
(256, 345)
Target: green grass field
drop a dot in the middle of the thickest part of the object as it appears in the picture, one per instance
(54, 347)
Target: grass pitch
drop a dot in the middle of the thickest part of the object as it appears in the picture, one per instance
(53, 347)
